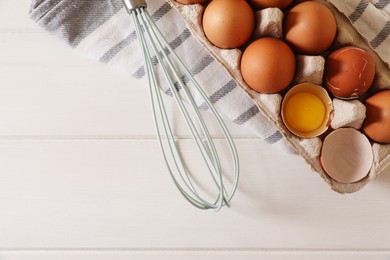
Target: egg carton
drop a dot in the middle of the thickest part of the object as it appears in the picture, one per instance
(269, 22)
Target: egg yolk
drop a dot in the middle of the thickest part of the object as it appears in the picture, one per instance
(305, 112)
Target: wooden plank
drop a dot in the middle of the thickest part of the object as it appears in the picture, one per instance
(193, 255)
(102, 194)
(48, 89)
(14, 17)
(75, 196)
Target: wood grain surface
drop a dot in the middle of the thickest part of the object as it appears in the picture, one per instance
(81, 175)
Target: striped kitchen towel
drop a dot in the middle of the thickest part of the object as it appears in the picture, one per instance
(104, 30)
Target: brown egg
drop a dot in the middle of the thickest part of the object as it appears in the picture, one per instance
(261, 4)
(228, 24)
(349, 72)
(310, 28)
(190, 2)
(377, 122)
(268, 65)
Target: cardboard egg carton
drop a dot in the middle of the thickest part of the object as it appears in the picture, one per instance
(309, 69)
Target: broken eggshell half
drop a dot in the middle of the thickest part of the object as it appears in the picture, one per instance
(346, 155)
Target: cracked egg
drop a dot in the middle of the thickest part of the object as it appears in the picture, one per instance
(349, 72)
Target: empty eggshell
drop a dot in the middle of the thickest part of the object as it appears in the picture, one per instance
(346, 155)
(269, 22)
(348, 114)
(349, 72)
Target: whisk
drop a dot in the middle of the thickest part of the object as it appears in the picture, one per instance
(152, 42)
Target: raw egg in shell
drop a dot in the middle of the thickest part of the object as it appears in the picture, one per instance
(307, 110)
(268, 65)
(310, 28)
(228, 24)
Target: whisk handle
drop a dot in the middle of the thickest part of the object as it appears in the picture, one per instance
(134, 4)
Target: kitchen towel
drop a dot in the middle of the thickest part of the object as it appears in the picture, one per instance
(103, 30)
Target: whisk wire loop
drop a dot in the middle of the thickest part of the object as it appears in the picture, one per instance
(210, 144)
(198, 201)
(150, 37)
(197, 138)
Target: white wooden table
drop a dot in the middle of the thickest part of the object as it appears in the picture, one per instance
(80, 180)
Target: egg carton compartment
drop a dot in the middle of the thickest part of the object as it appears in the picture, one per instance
(309, 69)
(269, 22)
(348, 114)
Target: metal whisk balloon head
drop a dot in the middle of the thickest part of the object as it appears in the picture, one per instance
(161, 61)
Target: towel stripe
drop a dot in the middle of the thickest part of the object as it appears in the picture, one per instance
(382, 36)
(140, 72)
(110, 54)
(355, 15)
(199, 67)
(247, 115)
(89, 11)
(74, 20)
(382, 4)
(118, 47)
(274, 138)
(223, 91)
(41, 8)
(220, 93)
(165, 8)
